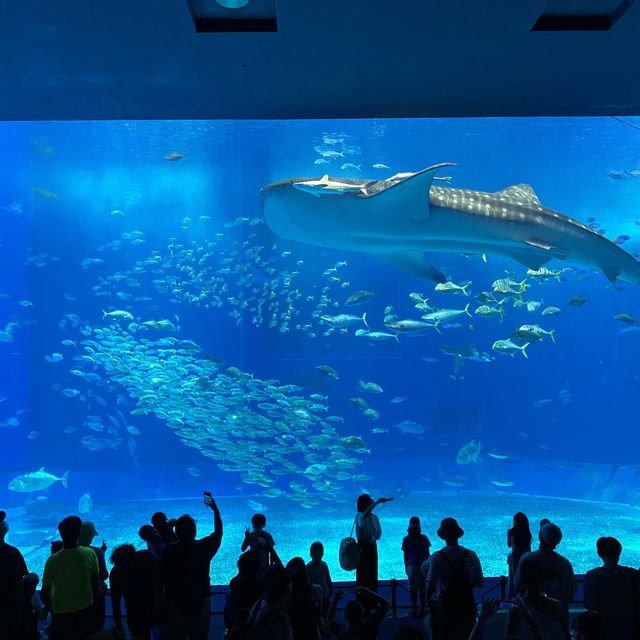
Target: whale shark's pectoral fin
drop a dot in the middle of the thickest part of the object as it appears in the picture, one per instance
(611, 273)
(526, 258)
(411, 195)
(412, 261)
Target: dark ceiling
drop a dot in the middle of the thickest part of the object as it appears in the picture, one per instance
(142, 59)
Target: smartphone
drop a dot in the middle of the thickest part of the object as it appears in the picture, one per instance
(208, 498)
(507, 604)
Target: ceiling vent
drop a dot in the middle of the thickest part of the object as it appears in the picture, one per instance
(220, 16)
(581, 15)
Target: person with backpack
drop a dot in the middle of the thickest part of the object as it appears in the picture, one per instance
(453, 573)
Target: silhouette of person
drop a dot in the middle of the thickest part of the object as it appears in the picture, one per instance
(87, 535)
(164, 527)
(361, 623)
(244, 591)
(259, 540)
(519, 541)
(318, 573)
(184, 571)
(151, 536)
(12, 571)
(305, 602)
(31, 609)
(368, 532)
(134, 578)
(415, 547)
(453, 572)
(536, 616)
(69, 584)
(612, 591)
(268, 619)
(589, 625)
(557, 572)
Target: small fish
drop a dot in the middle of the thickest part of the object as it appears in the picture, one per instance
(326, 370)
(409, 426)
(117, 314)
(359, 297)
(452, 287)
(498, 456)
(579, 301)
(380, 165)
(173, 156)
(398, 399)
(543, 402)
(510, 348)
(349, 166)
(551, 311)
(36, 481)
(45, 193)
(194, 471)
(502, 483)
(33, 435)
(626, 319)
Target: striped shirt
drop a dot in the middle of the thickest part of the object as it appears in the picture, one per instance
(438, 568)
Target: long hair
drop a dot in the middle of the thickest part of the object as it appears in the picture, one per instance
(364, 501)
(521, 532)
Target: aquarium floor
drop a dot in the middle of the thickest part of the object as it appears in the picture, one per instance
(484, 517)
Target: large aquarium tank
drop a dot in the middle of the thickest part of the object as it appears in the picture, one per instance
(291, 313)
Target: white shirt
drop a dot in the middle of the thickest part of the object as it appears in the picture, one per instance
(368, 528)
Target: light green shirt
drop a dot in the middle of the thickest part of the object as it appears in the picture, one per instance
(70, 573)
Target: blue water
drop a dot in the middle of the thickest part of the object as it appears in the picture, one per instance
(93, 218)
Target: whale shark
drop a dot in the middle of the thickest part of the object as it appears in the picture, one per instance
(403, 217)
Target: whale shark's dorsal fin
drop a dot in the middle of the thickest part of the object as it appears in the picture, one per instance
(520, 192)
(411, 195)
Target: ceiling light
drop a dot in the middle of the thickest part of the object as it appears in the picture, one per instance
(210, 16)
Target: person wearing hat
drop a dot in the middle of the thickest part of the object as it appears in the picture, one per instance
(69, 582)
(12, 571)
(415, 547)
(87, 534)
(558, 581)
(452, 573)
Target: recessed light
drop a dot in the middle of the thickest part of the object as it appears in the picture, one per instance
(211, 16)
(233, 4)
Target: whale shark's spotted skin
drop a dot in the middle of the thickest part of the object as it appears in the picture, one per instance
(400, 218)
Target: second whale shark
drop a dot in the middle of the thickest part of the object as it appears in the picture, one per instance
(401, 218)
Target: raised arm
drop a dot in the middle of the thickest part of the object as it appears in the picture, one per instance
(373, 505)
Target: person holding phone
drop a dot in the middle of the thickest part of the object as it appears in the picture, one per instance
(184, 571)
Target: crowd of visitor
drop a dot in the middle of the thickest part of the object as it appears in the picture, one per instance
(163, 591)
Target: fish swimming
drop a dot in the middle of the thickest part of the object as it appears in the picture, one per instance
(400, 219)
(36, 481)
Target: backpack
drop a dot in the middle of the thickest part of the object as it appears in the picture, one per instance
(457, 594)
